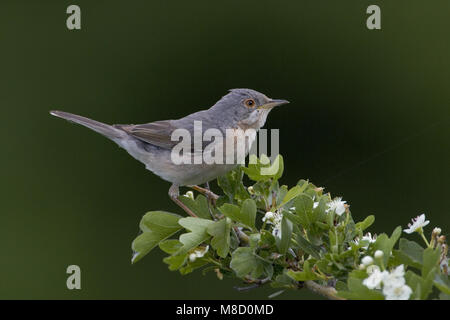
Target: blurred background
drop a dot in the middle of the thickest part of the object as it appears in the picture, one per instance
(368, 120)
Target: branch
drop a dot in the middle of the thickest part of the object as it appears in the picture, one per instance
(328, 292)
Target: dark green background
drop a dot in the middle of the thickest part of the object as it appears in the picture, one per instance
(368, 120)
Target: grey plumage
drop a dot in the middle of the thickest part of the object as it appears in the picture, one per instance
(151, 143)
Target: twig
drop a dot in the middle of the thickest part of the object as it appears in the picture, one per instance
(255, 283)
(242, 236)
(328, 292)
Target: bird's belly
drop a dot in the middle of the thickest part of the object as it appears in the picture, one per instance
(159, 161)
(188, 174)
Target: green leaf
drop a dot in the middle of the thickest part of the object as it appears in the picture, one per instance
(156, 226)
(160, 221)
(286, 234)
(291, 194)
(245, 262)
(293, 217)
(304, 209)
(280, 192)
(430, 260)
(303, 184)
(191, 266)
(363, 225)
(282, 281)
(442, 283)
(170, 246)
(232, 186)
(358, 291)
(246, 214)
(199, 206)
(198, 234)
(409, 253)
(253, 170)
(421, 286)
(262, 170)
(309, 248)
(304, 275)
(220, 230)
(386, 244)
(415, 282)
(427, 284)
(303, 204)
(232, 211)
(319, 213)
(278, 163)
(395, 236)
(175, 262)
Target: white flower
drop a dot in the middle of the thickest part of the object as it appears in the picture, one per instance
(367, 260)
(192, 257)
(315, 204)
(397, 293)
(375, 279)
(372, 268)
(417, 225)
(378, 254)
(273, 218)
(337, 205)
(251, 190)
(198, 254)
(395, 278)
(394, 287)
(368, 238)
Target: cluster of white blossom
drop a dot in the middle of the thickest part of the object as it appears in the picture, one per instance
(274, 218)
(394, 284)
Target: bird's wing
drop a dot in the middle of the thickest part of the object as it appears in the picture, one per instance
(157, 133)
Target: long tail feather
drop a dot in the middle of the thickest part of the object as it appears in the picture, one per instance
(102, 128)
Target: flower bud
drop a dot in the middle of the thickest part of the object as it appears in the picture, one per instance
(367, 261)
(192, 257)
(269, 215)
(190, 194)
(378, 254)
(251, 190)
(437, 231)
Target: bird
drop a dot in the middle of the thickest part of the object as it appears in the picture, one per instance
(153, 143)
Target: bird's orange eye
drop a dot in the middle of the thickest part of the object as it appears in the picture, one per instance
(249, 103)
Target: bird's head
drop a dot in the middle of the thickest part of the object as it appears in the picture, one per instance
(246, 107)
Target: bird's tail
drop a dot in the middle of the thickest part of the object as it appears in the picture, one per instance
(102, 128)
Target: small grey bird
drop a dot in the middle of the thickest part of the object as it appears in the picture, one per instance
(152, 143)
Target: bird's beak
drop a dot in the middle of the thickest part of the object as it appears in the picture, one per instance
(273, 103)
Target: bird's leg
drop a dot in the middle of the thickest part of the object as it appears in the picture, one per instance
(174, 193)
(210, 202)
